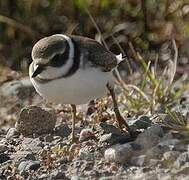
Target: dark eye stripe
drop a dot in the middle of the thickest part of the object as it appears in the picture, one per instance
(76, 60)
(60, 59)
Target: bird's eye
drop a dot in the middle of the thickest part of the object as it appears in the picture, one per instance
(59, 59)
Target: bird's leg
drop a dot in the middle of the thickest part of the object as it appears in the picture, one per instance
(73, 138)
(121, 122)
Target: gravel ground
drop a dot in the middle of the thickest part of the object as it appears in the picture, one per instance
(34, 141)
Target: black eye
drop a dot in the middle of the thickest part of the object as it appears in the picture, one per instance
(59, 59)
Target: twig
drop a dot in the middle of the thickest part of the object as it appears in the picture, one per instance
(139, 58)
(96, 26)
(174, 67)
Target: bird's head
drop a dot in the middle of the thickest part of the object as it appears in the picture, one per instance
(48, 54)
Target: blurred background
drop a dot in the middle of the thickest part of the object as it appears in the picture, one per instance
(148, 24)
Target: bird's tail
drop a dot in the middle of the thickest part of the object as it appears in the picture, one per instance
(116, 73)
(120, 58)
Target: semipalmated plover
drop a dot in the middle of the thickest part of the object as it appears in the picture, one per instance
(73, 70)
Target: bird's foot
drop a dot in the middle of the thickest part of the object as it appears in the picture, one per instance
(122, 124)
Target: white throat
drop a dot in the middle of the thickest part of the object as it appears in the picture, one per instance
(55, 72)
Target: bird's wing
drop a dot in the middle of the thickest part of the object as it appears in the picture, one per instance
(97, 55)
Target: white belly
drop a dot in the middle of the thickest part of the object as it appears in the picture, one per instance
(80, 88)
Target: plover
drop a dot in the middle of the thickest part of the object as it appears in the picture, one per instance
(73, 70)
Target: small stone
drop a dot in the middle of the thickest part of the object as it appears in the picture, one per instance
(34, 145)
(147, 140)
(108, 128)
(171, 155)
(43, 176)
(138, 160)
(12, 133)
(167, 136)
(57, 174)
(28, 165)
(115, 138)
(181, 160)
(169, 158)
(143, 122)
(154, 162)
(155, 152)
(48, 138)
(62, 160)
(75, 178)
(170, 143)
(119, 153)
(35, 121)
(23, 155)
(86, 134)
(4, 157)
(62, 130)
(156, 129)
(3, 148)
(85, 154)
(183, 170)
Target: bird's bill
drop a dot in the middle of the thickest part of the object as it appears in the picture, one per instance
(37, 70)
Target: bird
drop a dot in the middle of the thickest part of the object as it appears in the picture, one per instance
(71, 69)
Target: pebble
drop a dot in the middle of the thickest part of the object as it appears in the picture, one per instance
(170, 143)
(12, 133)
(4, 157)
(28, 165)
(169, 158)
(34, 120)
(183, 170)
(155, 152)
(85, 154)
(108, 128)
(58, 174)
(86, 134)
(156, 129)
(3, 148)
(181, 160)
(119, 153)
(167, 136)
(142, 122)
(62, 130)
(34, 145)
(115, 138)
(23, 155)
(154, 162)
(147, 139)
(138, 160)
(75, 178)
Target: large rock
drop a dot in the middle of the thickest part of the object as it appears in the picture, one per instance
(34, 120)
(150, 137)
